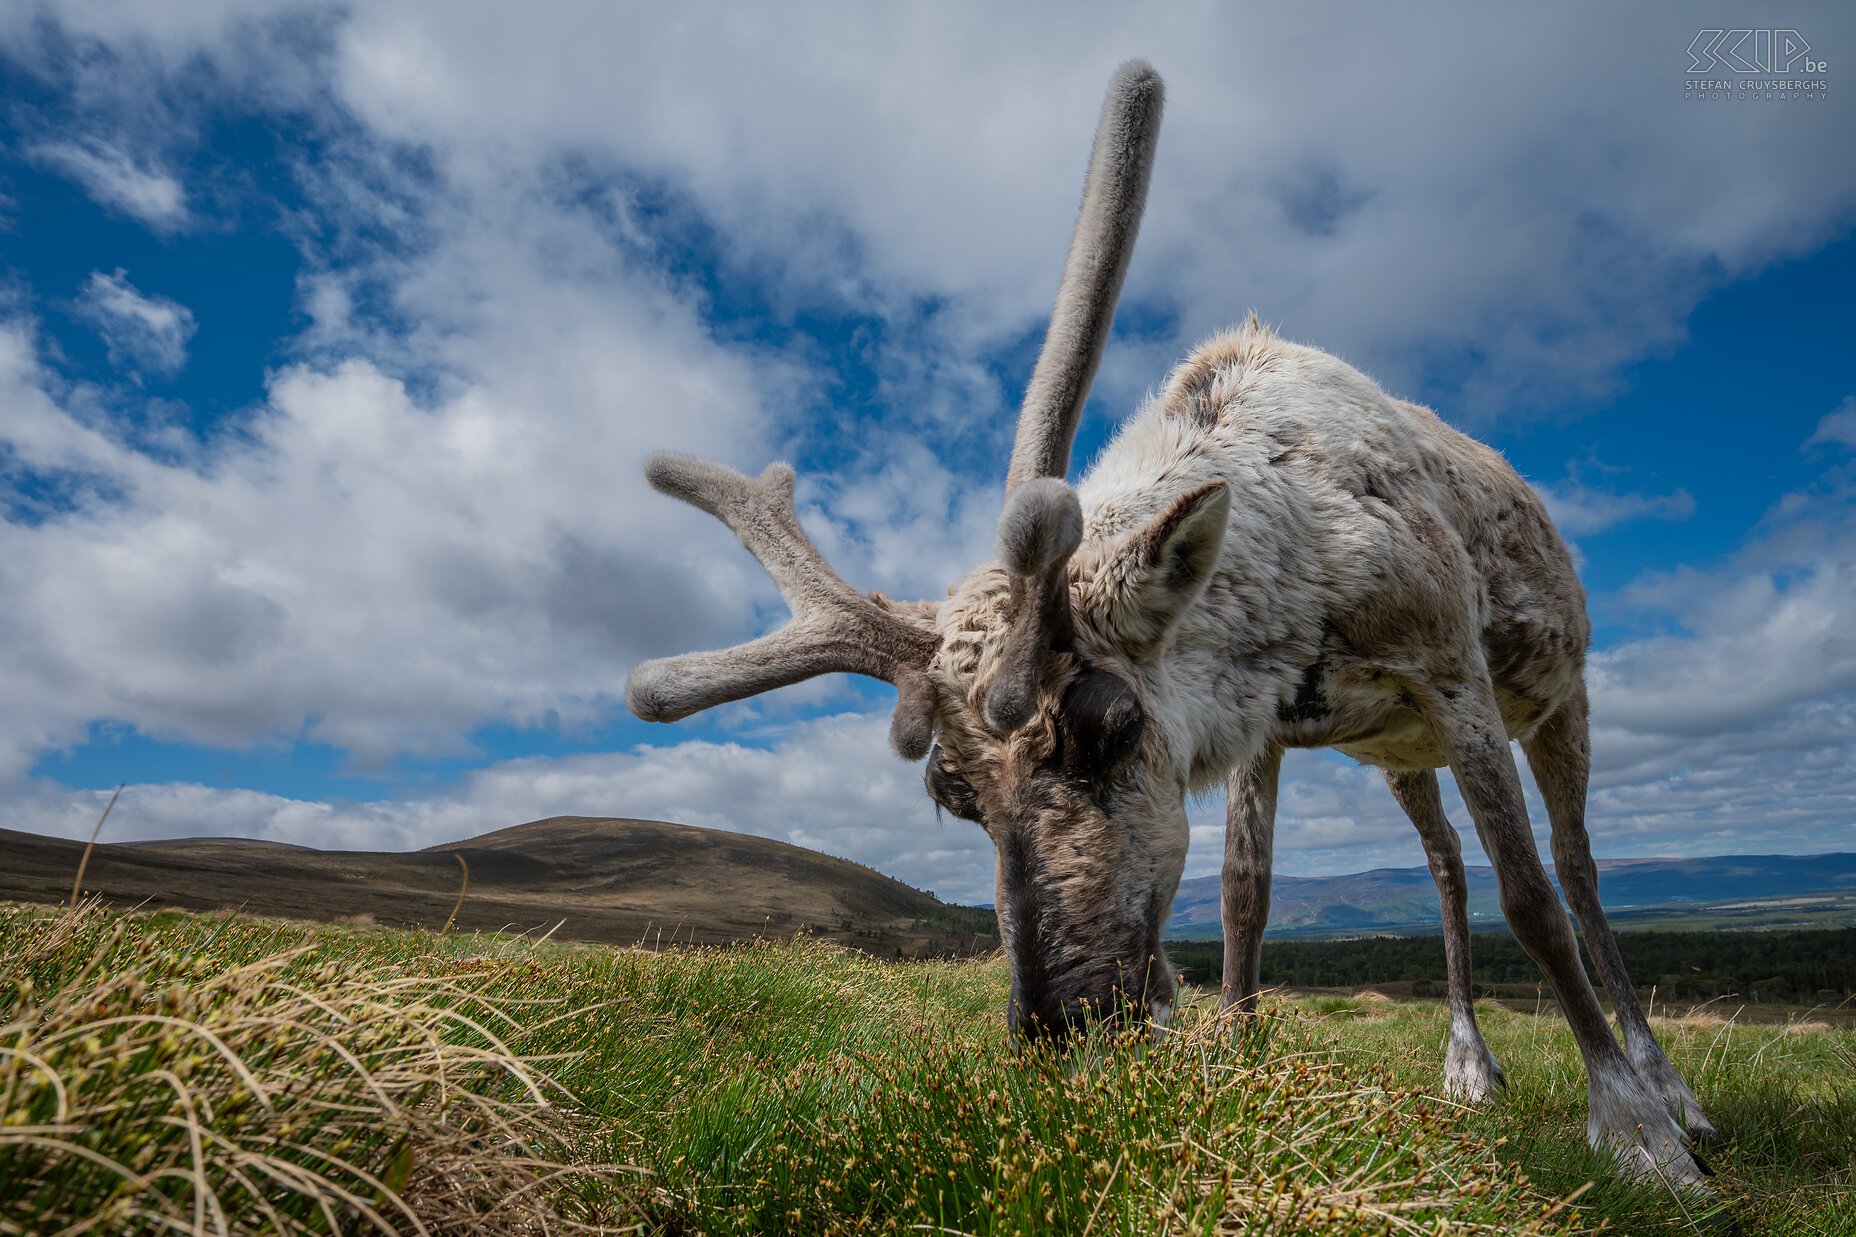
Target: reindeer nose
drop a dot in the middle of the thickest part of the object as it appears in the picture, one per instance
(1034, 1022)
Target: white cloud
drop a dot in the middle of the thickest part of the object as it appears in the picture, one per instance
(1764, 778)
(1734, 734)
(1838, 426)
(1395, 225)
(380, 572)
(142, 332)
(1527, 243)
(1735, 731)
(1781, 786)
(1765, 631)
(434, 522)
(1580, 509)
(1332, 816)
(114, 179)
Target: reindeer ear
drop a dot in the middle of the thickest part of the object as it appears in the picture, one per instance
(1161, 568)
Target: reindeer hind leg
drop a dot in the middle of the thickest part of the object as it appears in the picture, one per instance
(1626, 1118)
(1471, 1071)
(1559, 753)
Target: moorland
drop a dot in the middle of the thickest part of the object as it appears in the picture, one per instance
(617, 880)
(194, 1073)
(611, 880)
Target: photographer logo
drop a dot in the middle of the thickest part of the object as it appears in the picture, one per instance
(1754, 66)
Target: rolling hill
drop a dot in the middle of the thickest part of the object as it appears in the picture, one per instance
(1722, 890)
(612, 880)
(624, 881)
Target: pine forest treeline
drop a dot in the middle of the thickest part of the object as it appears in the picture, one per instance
(1802, 967)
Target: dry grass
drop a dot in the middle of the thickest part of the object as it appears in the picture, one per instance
(146, 1087)
(192, 1074)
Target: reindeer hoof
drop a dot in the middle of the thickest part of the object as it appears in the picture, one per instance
(1471, 1072)
(1628, 1120)
(1683, 1106)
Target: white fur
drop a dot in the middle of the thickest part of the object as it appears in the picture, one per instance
(1471, 1073)
(1351, 513)
(1298, 546)
(1630, 1121)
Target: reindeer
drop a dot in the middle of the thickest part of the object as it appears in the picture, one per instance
(1272, 553)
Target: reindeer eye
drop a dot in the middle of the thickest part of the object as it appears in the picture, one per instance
(949, 789)
(1103, 721)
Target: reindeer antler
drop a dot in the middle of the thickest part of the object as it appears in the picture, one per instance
(834, 627)
(1042, 523)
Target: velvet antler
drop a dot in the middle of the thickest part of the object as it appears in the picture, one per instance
(1042, 523)
(834, 627)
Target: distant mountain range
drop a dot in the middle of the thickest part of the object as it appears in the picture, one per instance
(1636, 893)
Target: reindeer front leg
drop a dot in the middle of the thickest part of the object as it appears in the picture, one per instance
(1244, 886)
(1471, 1071)
(1625, 1117)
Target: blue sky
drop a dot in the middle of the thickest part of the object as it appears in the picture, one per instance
(331, 342)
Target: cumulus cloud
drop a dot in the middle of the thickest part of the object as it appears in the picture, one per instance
(1400, 232)
(115, 180)
(374, 569)
(1763, 631)
(1764, 769)
(1332, 816)
(144, 333)
(830, 784)
(1737, 722)
(1780, 786)
(1732, 731)
(1507, 251)
(433, 521)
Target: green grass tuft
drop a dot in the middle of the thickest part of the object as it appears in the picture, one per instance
(473, 1083)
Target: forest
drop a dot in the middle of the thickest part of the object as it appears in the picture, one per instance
(1804, 967)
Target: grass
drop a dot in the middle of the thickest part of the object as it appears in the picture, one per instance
(374, 1079)
(1783, 1098)
(201, 1077)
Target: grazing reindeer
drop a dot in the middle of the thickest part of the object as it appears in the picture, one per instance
(1271, 554)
